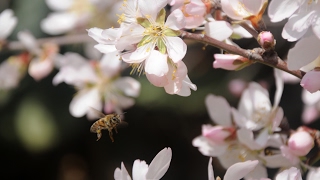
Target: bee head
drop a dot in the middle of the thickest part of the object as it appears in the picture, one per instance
(116, 119)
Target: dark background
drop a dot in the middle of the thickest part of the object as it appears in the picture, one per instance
(41, 140)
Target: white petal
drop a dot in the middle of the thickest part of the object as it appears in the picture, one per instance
(219, 30)
(296, 59)
(229, 10)
(310, 98)
(129, 86)
(297, 26)
(60, 5)
(157, 81)
(176, 48)
(279, 87)
(219, 110)
(121, 174)
(83, 100)
(245, 136)
(242, 121)
(139, 170)
(103, 48)
(292, 173)
(186, 87)
(151, 7)
(38, 69)
(29, 41)
(7, 23)
(156, 64)
(210, 170)
(207, 148)
(139, 55)
(276, 161)
(281, 9)
(110, 64)
(239, 170)
(314, 173)
(58, 23)
(175, 20)
(160, 164)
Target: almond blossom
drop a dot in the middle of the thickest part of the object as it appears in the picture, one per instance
(42, 63)
(141, 171)
(98, 83)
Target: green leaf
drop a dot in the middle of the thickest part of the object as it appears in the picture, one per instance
(144, 22)
(161, 16)
(145, 40)
(161, 46)
(171, 32)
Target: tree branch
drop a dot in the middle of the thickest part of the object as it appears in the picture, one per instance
(258, 54)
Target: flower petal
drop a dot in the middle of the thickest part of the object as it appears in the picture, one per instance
(129, 86)
(139, 170)
(175, 20)
(281, 9)
(210, 170)
(121, 174)
(58, 23)
(219, 110)
(239, 170)
(310, 81)
(160, 164)
(156, 64)
(176, 48)
(151, 7)
(219, 30)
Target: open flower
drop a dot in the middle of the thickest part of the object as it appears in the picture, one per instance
(141, 171)
(98, 83)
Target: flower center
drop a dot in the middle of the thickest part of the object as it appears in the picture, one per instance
(260, 115)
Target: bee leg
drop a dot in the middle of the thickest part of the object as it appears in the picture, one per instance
(115, 129)
(110, 134)
(99, 134)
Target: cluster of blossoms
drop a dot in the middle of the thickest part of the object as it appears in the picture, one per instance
(246, 140)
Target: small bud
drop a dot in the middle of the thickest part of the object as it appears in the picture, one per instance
(230, 61)
(300, 143)
(266, 40)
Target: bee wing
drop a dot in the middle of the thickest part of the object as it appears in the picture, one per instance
(97, 113)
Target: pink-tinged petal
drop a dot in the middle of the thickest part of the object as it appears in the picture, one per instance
(83, 100)
(230, 61)
(239, 170)
(278, 10)
(196, 7)
(60, 5)
(160, 164)
(58, 23)
(175, 20)
(277, 118)
(245, 136)
(219, 110)
(172, 87)
(237, 86)
(253, 7)
(38, 69)
(194, 21)
(219, 30)
(121, 174)
(176, 48)
(310, 114)
(310, 98)
(157, 81)
(7, 23)
(29, 42)
(186, 87)
(207, 148)
(129, 86)
(156, 64)
(151, 7)
(296, 59)
(286, 152)
(210, 170)
(110, 64)
(216, 134)
(139, 55)
(314, 173)
(297, 26)
(291, 174)
(139, 170)
(310, 81)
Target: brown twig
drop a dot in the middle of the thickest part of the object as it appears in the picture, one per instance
(257, 55)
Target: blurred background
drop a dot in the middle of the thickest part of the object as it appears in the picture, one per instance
(41, 140)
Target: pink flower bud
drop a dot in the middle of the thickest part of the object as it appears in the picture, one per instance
(266, 40)
(310, 81)
(216, 134)
(230, 61)
(300, 143)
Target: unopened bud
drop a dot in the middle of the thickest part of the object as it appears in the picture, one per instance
(230, 61)
(266, 40)
(300, 143)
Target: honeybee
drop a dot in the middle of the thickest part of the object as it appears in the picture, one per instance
(108, 122)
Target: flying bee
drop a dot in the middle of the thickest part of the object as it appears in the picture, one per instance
(108, 122)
